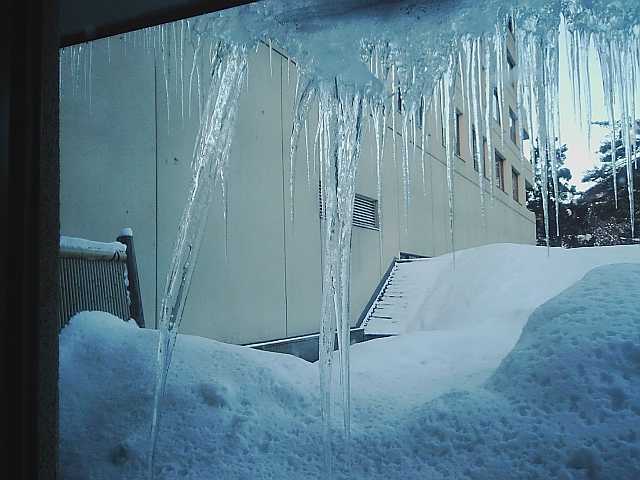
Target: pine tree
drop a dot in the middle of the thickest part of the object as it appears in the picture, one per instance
(608, 224)
(568, 224)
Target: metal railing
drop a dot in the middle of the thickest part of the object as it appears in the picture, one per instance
(96, 276)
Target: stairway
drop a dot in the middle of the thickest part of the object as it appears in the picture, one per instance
(399, 298)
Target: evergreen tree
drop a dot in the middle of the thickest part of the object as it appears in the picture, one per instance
(568, 223)
(607, 224)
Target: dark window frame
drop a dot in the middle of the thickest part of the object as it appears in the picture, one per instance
(458, 132)
(474, 149)
(513, 126)
(515, 185)
(497, 110)
(499, 162)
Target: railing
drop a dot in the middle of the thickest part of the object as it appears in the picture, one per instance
(98, 276)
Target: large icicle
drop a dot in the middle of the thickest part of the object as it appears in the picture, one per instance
(341, 109)
(303, 102)
(448, 92)
(211, 154)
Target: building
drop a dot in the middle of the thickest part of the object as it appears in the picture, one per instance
(126, 148)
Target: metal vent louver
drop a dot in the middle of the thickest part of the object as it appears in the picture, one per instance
(365, 211)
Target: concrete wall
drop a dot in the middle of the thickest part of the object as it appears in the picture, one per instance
(126, 162)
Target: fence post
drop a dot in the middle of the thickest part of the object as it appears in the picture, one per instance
(135, 307)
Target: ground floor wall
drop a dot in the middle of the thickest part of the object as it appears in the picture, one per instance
(126, 149)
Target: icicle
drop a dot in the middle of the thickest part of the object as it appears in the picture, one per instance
(90, 79)
(182, 69)
(211, 154)
(423, 146)
(478, 151)
(270, 58)
(302, 104)
(489, 107)
(194, 65)
(498, 45)
(165, 71)
(306, 151)
(342, 109)
(552, 67)
(377, 111)
(394, 102)
(448, 90)
(406, 180)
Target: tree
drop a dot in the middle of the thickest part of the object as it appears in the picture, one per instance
(609, 224)
(567, 222)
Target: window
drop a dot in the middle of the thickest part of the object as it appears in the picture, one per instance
(459, 134)
(526, 146)
(515, 184)
(512, 73)
(485, 157)
(513, 126)
(499, 164)
(442, 130)
(510, 61)
(496, 107)
(474, 149)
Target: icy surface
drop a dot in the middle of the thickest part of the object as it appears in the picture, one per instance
(564, 403)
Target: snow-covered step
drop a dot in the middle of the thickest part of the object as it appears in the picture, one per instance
(399, 298)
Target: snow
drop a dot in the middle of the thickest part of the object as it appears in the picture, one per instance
(81, 245)
(456, 401)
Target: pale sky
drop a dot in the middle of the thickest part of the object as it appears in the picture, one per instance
(580, 155)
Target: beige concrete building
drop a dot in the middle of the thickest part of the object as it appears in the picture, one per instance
(125, 161)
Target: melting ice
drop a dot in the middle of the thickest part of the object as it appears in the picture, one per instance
(357, 58)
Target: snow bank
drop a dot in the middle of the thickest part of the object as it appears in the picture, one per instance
(564, 403)
(463, 322)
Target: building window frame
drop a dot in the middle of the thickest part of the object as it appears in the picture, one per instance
(497, 111)
(513, 126)
(515, 185)
(474, 149)
(458, 132)
(499, 162)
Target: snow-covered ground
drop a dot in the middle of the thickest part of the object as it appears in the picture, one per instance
(454, 401)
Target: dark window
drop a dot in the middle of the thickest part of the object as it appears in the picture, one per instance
(515, 184)
(512, 73)
(513, 126)
(510, 60)
(485, 157)
(499, 164)
(442, 130)
(474, 149)
(496, 107)
(459, 134)
(526, 146)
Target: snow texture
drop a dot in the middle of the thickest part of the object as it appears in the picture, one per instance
(74, 244)
(563, 403)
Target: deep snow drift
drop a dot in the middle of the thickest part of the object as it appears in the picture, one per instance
(564, 403)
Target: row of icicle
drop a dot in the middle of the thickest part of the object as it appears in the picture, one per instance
(478, 69)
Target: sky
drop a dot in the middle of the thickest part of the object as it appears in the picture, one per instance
(580, 155)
